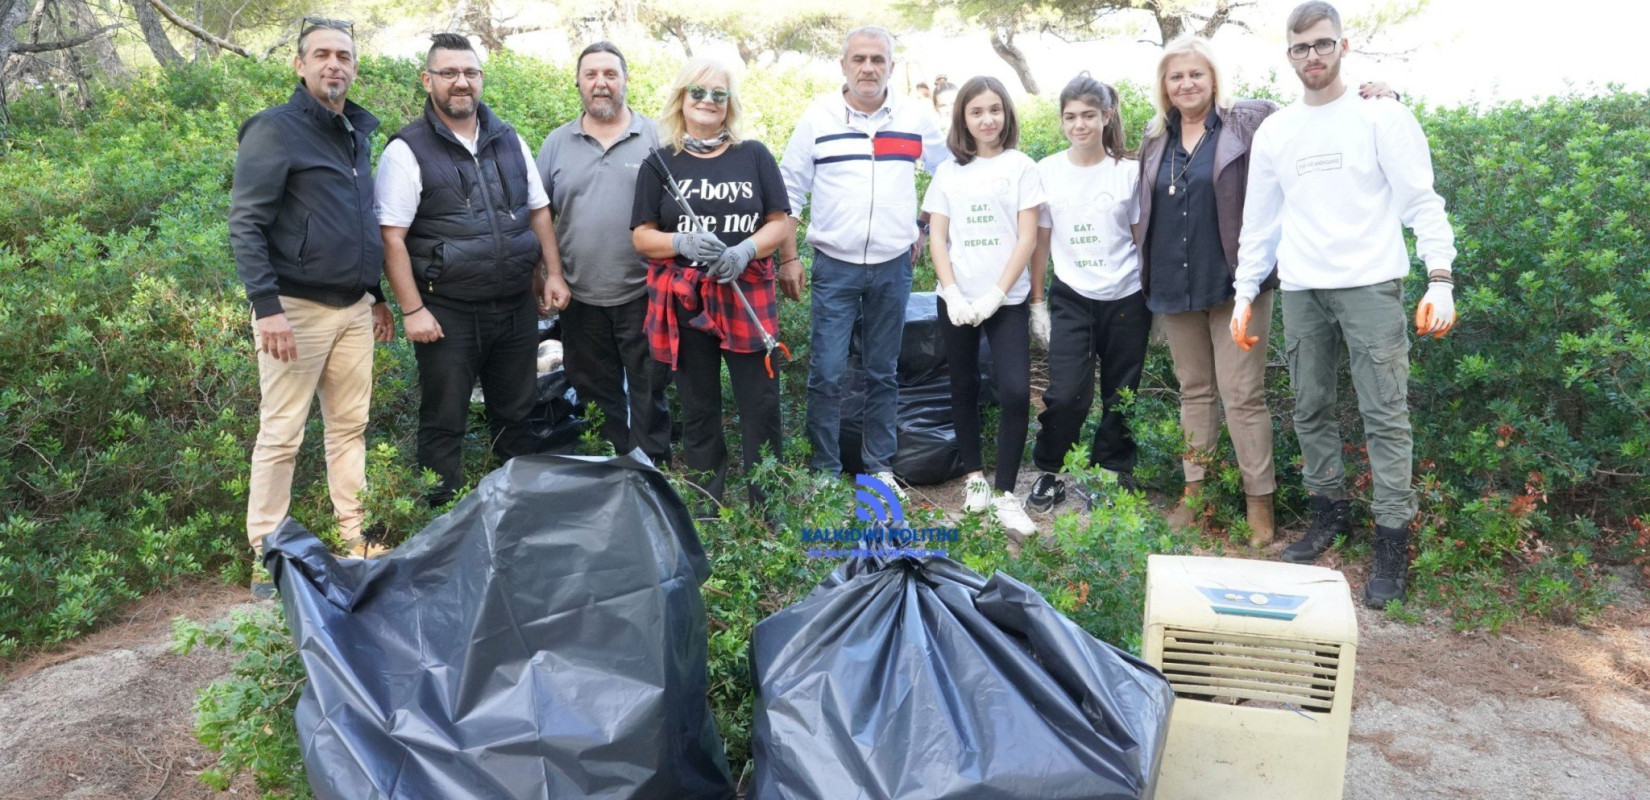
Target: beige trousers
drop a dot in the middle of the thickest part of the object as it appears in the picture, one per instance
(1207, 362)
(335, 363)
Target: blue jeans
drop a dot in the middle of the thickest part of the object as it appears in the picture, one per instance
(842, 293)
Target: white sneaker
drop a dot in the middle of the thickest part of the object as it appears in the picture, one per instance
(976, 495)
(1011, 512)
(888, 479)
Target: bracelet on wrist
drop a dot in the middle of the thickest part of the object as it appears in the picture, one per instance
(405, 314)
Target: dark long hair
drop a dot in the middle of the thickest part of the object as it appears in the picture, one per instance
(1084, 88)
(962, 144)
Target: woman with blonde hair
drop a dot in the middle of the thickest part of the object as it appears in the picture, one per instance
(718, 232)
(1194, 168)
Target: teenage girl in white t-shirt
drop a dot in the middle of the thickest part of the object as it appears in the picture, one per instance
(983, 205)
(1097, 313)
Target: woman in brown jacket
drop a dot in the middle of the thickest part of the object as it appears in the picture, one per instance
(1194, 167)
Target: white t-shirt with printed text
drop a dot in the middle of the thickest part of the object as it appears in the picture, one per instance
(1088, 214)
(982, 200)
(400, 183)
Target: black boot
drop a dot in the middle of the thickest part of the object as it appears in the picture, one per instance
(1386, 581)
(1330, 518)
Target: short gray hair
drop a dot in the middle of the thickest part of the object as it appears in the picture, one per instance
(870, 30)
(1311, 13)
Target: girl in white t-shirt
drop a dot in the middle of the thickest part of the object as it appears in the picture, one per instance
(984, 204)
(1096, 311)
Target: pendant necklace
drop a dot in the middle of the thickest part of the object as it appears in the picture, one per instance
(1174, 179)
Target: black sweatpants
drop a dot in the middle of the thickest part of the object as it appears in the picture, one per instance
(699, 359)
(1115, 333)
(497, 342)
(608, 361)
(1009, 331)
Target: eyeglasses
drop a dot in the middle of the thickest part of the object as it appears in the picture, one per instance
(450, 75)
(311, 23)
(717, 96)
(1323, 46)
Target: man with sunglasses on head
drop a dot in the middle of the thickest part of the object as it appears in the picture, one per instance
(852, 160)
(468, 245)
(1332, 180)
(306, 245)
(589, 168)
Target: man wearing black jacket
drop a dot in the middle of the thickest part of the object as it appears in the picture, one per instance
(306, 244)
(466, 223)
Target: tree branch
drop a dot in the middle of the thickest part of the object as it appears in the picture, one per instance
(63, 44)
(199, 32)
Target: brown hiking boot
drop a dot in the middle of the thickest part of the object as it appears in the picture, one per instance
(1260, 520)
(1183, 516)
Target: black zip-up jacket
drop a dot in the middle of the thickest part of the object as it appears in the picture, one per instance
(471, 241)
(301, 216)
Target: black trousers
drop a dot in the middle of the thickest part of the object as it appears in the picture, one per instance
(1083, 331)
(699, 359)
(497, 342)
(608, 361)
(1009, 332)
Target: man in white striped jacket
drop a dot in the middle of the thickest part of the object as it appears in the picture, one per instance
(855, 153)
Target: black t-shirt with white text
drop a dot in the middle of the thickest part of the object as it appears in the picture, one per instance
(731, 192)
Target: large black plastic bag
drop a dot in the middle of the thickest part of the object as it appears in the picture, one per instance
(926, 450)
(555, 419)
(545, 639)
(920, 680)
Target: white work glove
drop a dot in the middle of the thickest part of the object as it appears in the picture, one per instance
(1436, 313)
(1039, 322)
(701, 247)
(957, 307)
(1240, 326)
(988, 305)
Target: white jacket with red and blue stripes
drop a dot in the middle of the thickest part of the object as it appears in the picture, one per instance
(860, 170)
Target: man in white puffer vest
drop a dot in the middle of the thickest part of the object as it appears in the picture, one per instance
(852, 161)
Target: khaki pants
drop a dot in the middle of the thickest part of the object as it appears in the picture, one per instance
(1370, 322)
(1207, 362)
(335, 363)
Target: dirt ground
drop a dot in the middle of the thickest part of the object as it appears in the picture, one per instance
(1543, 711)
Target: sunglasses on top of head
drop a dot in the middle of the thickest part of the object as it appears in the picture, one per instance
(312, 23)
(717, 96)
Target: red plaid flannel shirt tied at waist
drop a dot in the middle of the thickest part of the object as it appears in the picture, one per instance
(717, 310)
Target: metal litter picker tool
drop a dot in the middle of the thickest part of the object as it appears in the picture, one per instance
(769, 342)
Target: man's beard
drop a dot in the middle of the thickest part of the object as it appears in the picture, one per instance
(452, 110)
(1322, 79)
(604, 111)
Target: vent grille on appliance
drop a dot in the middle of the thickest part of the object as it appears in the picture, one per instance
(1233, 667)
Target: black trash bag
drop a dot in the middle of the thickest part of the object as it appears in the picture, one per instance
(921, 353)
(544, 639)
(928, 452)
(555, 420)
(907, 679)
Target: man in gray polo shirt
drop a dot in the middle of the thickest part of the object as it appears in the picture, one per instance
(589, 169)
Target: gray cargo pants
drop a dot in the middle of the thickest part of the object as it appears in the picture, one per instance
(1370, 320)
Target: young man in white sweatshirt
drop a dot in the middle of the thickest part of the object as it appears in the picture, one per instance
(1332, 179)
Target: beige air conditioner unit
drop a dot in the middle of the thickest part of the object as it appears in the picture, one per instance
(1260, 655)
